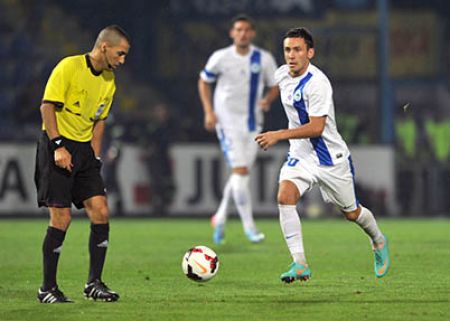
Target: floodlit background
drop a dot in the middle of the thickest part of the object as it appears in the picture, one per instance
(387, 60)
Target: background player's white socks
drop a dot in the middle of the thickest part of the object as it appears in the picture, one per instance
(242, 199)
(368, 223)
(292, 232)
(222, 211)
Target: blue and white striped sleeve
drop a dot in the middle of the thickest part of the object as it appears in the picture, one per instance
(320, 95)
(212, 69)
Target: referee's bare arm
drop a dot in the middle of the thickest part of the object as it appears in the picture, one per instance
(48, 115)
(62, 156)
(97, 137)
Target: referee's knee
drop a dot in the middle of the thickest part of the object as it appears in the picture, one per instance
(97, 209)
(100, 215)
(60, 218)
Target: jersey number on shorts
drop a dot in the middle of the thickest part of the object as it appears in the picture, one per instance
(292, 161)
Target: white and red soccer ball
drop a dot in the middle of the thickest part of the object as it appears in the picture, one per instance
(200, 263)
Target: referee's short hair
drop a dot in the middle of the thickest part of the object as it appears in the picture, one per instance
(112, 34)
(301, 33)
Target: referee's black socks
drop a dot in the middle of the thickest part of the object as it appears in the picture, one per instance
(51, 248)
(98, 244)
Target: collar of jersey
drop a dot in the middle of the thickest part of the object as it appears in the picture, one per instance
(302, 75)
(91, 67)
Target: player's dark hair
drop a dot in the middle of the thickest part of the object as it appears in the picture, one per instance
(301, 33)
(243, 17)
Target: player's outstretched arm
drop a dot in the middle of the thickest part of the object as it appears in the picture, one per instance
(309, 130)
(268, 139)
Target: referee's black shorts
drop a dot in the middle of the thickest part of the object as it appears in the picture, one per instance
(57, 187)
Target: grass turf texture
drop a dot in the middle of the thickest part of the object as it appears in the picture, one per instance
(144, 266)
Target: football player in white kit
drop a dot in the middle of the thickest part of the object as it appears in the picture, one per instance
(317, 155)
(241, 71)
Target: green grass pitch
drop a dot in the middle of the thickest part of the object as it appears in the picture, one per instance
(144, 266)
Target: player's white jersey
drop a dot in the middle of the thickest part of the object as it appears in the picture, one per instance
(308, 95)
(240, 84)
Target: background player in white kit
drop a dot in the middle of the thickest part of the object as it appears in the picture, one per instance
(242, 72)
(317, 154)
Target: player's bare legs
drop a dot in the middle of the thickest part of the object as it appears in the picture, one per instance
(365, 219)
(98, 212)
(288, 197)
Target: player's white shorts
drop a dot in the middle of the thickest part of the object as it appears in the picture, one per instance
(336, 182)
(239, 147)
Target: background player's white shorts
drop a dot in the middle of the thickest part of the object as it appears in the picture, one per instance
(239, 147)
(336, 182)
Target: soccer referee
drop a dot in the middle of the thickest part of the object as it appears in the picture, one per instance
(76, 102)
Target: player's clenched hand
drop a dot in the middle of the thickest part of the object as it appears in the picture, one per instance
(210, 121)
(63, 158)
(264, 104)
(267, 139)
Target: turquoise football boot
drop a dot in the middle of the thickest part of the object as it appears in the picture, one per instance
(382, 261)
(219, 234)
(254, 236)
(296, 272)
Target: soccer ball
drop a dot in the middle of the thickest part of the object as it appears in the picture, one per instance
(200, 263)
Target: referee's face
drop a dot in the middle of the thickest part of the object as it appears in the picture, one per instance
(115, 54)
(297, 55)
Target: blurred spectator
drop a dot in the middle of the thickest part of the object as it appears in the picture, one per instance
(353, 128)
(438, 134)
(113, 140)
(409, 165)
(155, 134)
(28, 100)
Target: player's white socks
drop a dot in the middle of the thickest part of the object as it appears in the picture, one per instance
(222, 211)
(368, 223)
(242, 198)
(292, 232)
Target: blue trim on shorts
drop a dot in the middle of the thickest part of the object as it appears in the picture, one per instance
(224, 146)
(352, 170)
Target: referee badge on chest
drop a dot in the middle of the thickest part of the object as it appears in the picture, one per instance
(255, 68)
(98, 112)
(297, 95)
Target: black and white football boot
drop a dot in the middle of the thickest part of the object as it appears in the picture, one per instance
(53, 295)
(97, 290)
